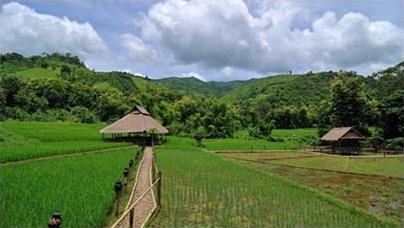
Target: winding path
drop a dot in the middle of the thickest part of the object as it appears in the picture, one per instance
(145, 207)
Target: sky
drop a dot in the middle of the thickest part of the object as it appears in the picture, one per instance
(209, 39)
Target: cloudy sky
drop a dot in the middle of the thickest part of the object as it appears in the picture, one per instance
(213, 40)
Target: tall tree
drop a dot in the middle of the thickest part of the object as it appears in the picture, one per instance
(392, 115)
(349, 105)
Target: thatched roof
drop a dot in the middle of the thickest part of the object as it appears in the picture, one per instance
(338, 133)
(137, 121)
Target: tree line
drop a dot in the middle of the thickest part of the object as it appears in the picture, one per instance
(76, 93)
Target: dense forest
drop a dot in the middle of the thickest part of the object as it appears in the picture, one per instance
(59, 87)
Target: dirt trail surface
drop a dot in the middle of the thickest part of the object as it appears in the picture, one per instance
(146, 205)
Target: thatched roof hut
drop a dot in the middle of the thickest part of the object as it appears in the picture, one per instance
(137, 121)
(342, 133)
(344, 140)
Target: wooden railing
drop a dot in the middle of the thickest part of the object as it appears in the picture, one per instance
(155, 179)
(131, 210)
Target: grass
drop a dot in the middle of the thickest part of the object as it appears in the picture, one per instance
(27, 140)
(293, 133)
(37, 73)
(79, 187)
(390, 166)
(265, 155)
(201, 189)
(289, 140)
(247, 144)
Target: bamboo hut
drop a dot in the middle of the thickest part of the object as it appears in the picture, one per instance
(137, 126)
(344, 140)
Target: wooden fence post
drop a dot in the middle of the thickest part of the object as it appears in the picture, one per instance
(131, 216)
(55, 220)
(159, 191)
(154, 166)
(118, 189)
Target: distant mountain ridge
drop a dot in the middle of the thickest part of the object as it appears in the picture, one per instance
(195, 85)
(295, 90)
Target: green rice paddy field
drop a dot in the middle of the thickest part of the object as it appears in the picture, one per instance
(27, 140)
(203, 189)
(79, 187)
(200, 188)
(386, 166)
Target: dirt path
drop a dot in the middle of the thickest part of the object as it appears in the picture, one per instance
(146, 205)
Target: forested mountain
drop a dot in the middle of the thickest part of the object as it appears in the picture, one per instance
(194, 85)
(60, 87)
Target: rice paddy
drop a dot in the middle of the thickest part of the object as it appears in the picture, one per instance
(389, 166)
(202, 189)
(27, 140)
(79, 187)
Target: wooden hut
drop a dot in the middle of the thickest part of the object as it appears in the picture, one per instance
(344, 140)
(137, 126)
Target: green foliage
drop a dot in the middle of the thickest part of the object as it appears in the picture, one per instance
(396, 144)
(83, 115)
(216, 117)
(262, 129)
(384, 83)
(195, 86)
(376, 140)
(324, 122)
(79, 187)
(392, 114)
(65, 71)
(199, 135)
(349, 106)
(36, 86)
(16, 113)
(290, 100)
(10, 86)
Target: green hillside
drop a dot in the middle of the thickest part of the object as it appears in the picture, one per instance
(285, 89)
(37, 72)
(59, 87)
(194, 85)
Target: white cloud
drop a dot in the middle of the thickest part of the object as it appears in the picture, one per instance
(220, 34)
(195, 75)
(25, 31)
(227, 71)
(351, 41)
(137, 49)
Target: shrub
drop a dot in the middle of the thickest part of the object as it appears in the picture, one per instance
(60, 114)
(83, 115)
(40, 116)
(396, 144)
(16, 113)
